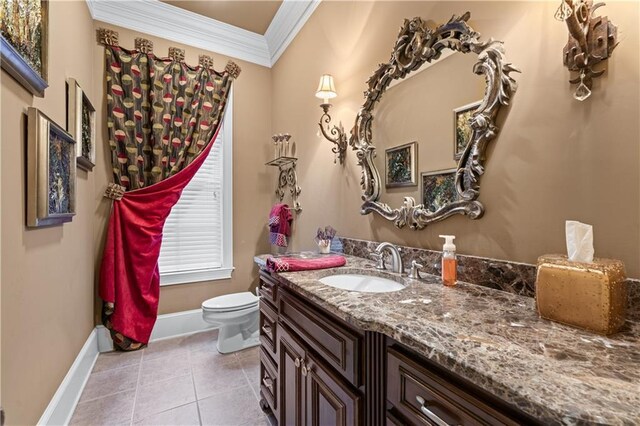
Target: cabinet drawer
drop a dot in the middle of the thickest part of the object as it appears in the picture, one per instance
(419, 396)
(268, 325)
(269, 381)
(338, 345)
(268, 287)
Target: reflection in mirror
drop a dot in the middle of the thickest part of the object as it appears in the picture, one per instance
(414, 126)
(420, 111)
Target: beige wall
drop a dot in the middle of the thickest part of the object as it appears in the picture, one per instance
(554, 159)
(47, 279)
(252, 184)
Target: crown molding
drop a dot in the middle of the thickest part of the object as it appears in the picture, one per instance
(287, 22)
(163, 20)
(173, 23)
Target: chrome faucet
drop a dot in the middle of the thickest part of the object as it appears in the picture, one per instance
(396, 258)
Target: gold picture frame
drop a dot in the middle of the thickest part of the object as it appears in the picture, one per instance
(462, 132)
(24, 29)
(51, 172)
(81, 124)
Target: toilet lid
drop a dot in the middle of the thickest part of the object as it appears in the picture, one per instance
(235, 301)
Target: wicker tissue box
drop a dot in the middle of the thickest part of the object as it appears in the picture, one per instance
(592, 296)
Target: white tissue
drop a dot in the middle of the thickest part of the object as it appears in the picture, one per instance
(579, 241)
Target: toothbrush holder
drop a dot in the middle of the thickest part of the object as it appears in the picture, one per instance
(324, 246)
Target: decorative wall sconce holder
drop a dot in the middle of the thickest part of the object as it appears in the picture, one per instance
(591, 41)
(287, 177)
(334, 134)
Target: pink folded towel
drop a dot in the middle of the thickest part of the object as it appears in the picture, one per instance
(290, 264)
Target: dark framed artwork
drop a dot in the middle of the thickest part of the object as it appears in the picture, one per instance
(438, 189)
(462, 131)
(81, 124)
(24, 39)
(400, 164)
(51, 172)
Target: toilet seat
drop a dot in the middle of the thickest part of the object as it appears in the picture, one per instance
(231, 302)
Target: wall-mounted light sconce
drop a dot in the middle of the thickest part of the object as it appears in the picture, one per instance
(591, 40)
(327, 90)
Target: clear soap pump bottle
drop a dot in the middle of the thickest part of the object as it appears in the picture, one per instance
(449, 261)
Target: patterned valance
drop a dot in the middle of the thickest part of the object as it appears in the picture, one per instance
(111, 38)
(161, 112)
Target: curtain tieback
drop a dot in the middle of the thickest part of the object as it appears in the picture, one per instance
(114, 191)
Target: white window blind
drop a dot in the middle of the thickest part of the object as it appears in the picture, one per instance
(196, 242)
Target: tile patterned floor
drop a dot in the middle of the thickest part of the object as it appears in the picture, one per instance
(181, 381)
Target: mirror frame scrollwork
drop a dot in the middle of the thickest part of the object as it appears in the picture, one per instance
(418, 44)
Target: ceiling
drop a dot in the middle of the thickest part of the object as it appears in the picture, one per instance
(221, 31)
(254, 16)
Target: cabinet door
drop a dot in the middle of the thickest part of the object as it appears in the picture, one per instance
(330, 401)
(291, 393)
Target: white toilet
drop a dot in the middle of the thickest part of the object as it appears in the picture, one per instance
(237, 315)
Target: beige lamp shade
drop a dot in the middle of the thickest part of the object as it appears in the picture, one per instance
(326, 88)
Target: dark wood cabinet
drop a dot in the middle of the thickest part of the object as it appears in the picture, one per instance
(329, 401)
(311, 392)
(291, 358)
(419, 395)
(337, 344)
(269, 381)
(268, 327)
(317, 370)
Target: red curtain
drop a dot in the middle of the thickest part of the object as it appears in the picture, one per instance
(129, 275)
(162, 117)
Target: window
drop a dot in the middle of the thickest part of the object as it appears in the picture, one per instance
(197, 236)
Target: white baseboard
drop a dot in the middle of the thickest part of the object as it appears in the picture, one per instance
(64, 401)
(179, 324)
(166, 327)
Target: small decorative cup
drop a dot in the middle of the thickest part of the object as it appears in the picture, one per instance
(324, 246)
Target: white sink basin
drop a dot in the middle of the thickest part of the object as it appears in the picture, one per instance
(362, 283)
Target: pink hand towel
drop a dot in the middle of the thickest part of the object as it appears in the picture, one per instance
(290, 264)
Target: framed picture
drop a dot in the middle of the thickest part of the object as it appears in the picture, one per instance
(438, 189)
(461, 128)
(23, 54)
(51, 172)
(400, 163)
(81, 124)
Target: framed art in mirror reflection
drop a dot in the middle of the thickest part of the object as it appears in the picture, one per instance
(401, 165)
(462, 131)
(438, 189)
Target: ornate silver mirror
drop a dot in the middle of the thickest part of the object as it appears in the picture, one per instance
(443, 193)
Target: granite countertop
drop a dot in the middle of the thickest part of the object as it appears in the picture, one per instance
(555, 373)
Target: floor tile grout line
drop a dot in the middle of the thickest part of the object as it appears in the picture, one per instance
(94, 371)
(81, 401)
(167, 410)
(195, 391)
(135, 396)
(246, 376)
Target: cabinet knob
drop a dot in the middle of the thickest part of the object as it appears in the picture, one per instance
(297, 362)
(306, 369)
(266, 328)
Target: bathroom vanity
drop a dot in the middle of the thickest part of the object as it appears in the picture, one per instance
(432, 355)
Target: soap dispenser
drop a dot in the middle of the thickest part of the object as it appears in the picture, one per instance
(449, 261)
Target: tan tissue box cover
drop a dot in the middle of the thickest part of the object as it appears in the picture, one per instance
(592, 296)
